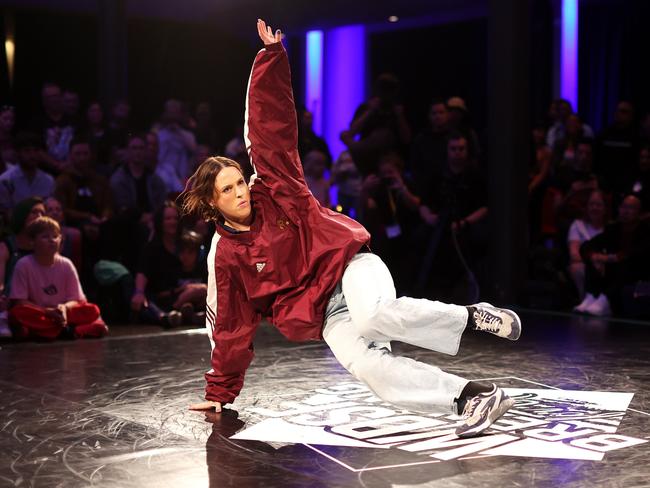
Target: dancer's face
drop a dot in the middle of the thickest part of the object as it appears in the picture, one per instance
(232, 197)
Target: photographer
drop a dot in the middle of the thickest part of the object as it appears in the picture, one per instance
(390, 214)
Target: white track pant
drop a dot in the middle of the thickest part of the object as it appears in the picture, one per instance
(364, 315)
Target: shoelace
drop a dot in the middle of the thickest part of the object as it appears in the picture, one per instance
(486, 320)
(471, 406)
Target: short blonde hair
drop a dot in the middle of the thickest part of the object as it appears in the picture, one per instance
(41, 225)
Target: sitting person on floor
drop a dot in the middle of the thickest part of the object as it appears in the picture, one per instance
(46, 298)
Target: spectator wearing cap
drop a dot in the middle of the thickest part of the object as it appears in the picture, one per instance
(25, 180)
(459, 123)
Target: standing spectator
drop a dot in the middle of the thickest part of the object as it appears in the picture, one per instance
(378, 127)
(314, 165)
(70, 237)
(308, 140)
(46, 296)
(25, 180)
(616, 258)
(390, 213)
(456, 209)
(429, 148)
(581, 231)
(459, 123)
(7, 123)
(617, 148)
(54, 127)
(177, 146)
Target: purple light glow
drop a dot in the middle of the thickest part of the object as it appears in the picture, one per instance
(344, 81)
(569, 53)
(314, 78)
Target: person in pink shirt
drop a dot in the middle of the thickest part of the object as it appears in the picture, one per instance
(46, 298)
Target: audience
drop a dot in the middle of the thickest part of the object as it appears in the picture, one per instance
(105, 186)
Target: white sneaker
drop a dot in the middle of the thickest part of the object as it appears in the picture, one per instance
(589, 299)
(482, 411)
(501, 322)
(600, 307)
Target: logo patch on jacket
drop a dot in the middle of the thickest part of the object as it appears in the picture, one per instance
(260, 266)
(282, 223)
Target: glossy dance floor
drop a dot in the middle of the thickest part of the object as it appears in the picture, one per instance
(114, 413)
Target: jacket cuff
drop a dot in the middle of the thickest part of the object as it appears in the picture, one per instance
(276, 46)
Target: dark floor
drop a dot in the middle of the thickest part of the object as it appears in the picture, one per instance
(113, 413)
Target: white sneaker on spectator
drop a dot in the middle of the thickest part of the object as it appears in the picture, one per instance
(600, 307)
(589, 299)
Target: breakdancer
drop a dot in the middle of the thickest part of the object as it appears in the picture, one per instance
(278, 254)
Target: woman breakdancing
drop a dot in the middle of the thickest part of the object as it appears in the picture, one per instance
(277, 253)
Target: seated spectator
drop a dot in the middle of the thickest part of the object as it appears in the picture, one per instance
(25, 180)
(71, 106)
(616, 258)
(347, 180)
(570, 189)
(84, 194)
(315, 164)
(565, 150)
(55, 128)
(617, 148)
(96, 133)
(14, 247)
(46, 297)
(118, 131)
(559, 112)
(137, 195)
(379, 126)
(581, 231)
(204, 130)
(177, 146)
(640, 182)
(18, 243)
(158, 297)
(390, 213)
(192, 285)
(70, 236)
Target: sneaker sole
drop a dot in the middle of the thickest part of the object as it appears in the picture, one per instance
(512, 314)
(493, 417)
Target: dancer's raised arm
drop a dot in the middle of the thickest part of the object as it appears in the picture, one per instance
(270, 129)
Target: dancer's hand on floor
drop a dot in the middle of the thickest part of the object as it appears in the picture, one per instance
(266, 33)
(206, 406)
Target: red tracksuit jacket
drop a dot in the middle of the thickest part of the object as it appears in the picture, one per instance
(286, 267)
